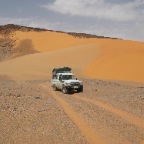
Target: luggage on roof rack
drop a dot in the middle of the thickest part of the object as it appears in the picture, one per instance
(61, 70)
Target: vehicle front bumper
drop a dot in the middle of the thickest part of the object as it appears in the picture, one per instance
(74, 87)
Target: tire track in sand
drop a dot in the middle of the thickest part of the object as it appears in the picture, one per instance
(125, 115)
(89, 134)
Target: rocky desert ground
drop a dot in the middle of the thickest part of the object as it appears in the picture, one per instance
(109, 111)
(106, 112)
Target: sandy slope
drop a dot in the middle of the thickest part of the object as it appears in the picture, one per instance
(121, 60)
(94, 58)
(40, 65)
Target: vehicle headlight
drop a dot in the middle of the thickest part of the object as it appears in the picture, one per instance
(67, 84)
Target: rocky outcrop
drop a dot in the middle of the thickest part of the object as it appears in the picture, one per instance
(9, 28)
(7, 44)
(9, 50)
(6, 48)
(84, 35)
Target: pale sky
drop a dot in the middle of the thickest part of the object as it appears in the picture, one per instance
(111, 18)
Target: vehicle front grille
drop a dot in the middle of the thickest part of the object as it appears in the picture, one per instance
(75, 83)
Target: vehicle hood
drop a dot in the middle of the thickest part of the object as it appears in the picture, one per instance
(69, 81)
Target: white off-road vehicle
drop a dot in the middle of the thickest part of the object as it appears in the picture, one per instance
(64, 80)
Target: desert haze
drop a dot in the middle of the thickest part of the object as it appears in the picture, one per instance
(109, 111)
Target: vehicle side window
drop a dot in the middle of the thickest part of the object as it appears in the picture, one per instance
(60, 77)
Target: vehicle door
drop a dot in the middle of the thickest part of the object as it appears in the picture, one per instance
(55, 81)
(59, 82)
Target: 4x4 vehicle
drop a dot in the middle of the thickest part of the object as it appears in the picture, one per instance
(64, 80)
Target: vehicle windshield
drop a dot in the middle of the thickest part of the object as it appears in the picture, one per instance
(67, 77)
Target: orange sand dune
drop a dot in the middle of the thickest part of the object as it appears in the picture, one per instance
(40, 65)
(93, 57)
(49, 41)
(120, 60)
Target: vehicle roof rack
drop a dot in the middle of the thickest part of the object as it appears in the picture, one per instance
(61, 70)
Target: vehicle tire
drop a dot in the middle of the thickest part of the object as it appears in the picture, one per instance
(65, 90)
(80, 89)
(55, 88)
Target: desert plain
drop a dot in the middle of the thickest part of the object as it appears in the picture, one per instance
(109, 111)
